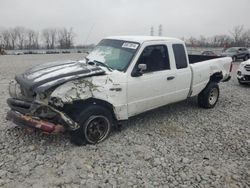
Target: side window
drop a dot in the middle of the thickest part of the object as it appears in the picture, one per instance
(180, 56)
(155, 57)
(242, 49)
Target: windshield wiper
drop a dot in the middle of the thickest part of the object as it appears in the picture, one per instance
(101, 63)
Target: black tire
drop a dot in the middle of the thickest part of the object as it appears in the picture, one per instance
(209, 96)
(234, 58)
(96, 123)
(246, 57)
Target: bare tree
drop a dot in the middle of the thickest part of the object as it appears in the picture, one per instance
(13, 37)
(246, 38)
(5, 39)
(21, 36)
(49, 36)
(36, 40)
(46, 38)
(236, 33)
(53, 35)
(202, 41)
(32, 39)
(1, 39)
(65, 38)
(224, 40)
(192, 41)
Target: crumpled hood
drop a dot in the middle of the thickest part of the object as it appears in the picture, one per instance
(45, 76)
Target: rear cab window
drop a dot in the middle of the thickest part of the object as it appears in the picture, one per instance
(180, 56)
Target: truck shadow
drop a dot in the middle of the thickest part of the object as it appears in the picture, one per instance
(35, 137)
(161, 114)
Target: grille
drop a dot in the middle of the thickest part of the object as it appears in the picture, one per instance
(247, 67)
(247, 78)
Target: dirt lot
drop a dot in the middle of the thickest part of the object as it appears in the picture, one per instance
(179, 145)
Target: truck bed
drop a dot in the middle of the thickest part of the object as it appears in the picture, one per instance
(199, 58)
(202, 71)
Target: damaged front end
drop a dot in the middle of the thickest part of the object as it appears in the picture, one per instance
(39, 116)
(30, 96)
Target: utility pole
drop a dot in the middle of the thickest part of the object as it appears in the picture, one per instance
(160, 30)
(152, 31)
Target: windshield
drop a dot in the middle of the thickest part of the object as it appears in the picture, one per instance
(231, 50)
(116, 54)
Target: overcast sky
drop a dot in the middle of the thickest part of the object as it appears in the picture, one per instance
(95, 19)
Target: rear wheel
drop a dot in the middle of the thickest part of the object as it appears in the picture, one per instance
(246, 57)
(209, 96)
(96, 123)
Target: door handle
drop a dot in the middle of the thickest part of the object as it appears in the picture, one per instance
(170, 78)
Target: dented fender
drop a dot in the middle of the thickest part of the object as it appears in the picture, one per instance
(110, 88)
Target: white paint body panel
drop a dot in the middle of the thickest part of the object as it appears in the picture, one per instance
(203, 70)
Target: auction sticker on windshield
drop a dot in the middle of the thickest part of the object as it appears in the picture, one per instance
(130, 45)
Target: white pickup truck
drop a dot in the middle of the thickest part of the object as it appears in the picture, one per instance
(120, 78)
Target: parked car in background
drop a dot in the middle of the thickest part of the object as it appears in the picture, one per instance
(209, 53)
(237, 53)
(18, 53)
(243, 73)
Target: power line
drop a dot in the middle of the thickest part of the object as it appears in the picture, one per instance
(152, 31)
(160, 30)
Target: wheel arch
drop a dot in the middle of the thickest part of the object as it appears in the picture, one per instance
(76, 107)
(216, 77)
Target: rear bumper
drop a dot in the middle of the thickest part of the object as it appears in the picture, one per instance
(33, 122)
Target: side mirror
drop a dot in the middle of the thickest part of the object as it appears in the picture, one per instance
(141, 68)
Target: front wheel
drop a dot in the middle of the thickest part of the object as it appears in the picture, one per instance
(209, 96)
(96, 123)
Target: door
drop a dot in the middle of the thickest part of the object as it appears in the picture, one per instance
(156, 85)
(242, 52)
(183, 72)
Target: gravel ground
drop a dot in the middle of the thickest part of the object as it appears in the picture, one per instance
(179, 145)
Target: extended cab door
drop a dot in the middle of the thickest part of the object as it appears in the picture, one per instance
(183, 76)
(156, 86)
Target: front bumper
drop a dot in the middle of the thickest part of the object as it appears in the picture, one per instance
(39, 116)
(243, 78)
(31, 122)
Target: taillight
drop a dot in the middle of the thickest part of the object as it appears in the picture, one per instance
(231, 67)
